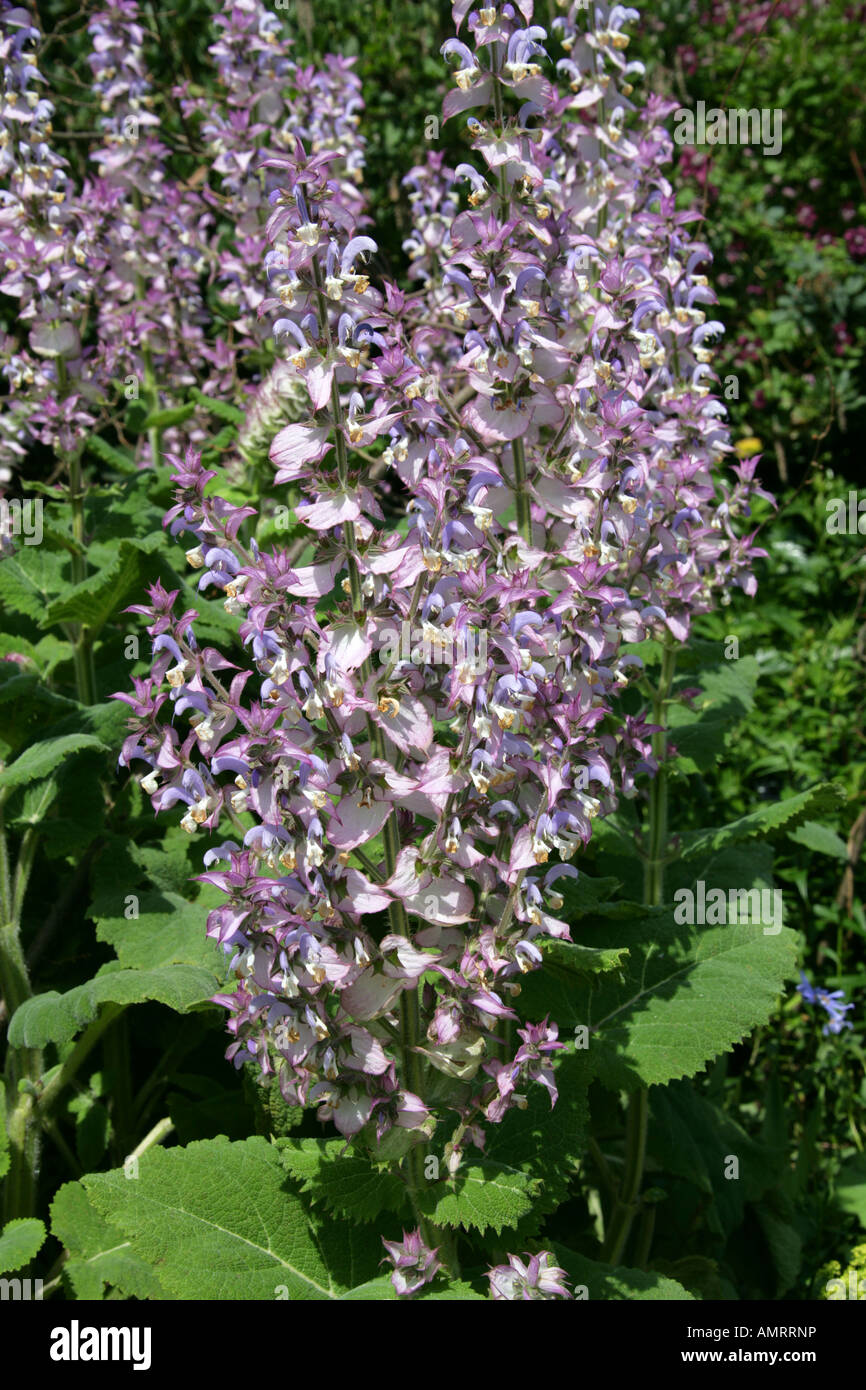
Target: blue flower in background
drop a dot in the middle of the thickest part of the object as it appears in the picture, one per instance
(831, 1002)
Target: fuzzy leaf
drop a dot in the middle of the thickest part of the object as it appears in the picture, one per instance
(851, 1187)
(95, 599)
(819, 838)
(168, 931)
(344, 1181)
(20, 1241)
(544, 1142)
(219, 1221)
(56, 1018)
(480, 1194)
(120, 459)
(699, 730)
(221, 409)
(41, 759)
(689, 993)
(791, 813)
(96, 1259)
(693, 1138)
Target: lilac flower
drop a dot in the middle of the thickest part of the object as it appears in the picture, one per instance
(414, 1264)
(533, 1277)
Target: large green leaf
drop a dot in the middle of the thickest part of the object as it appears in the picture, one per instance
(689, 993)
(31, 578)
(221, 409)
(819, 838)
(4, 1137)
(96, 1258)
(220, 1221)
(167, 931)
(55, 1018)
(547, 1143)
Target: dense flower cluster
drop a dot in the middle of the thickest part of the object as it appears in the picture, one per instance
(427, 723)
(47, 266)
(130, 284)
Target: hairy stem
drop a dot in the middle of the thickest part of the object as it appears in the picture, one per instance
(24, 1064)
(627, 1203)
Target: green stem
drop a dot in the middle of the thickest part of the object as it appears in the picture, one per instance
(521, 496)
(82, 649)
(24, 1064)
(23, 1137)
(161, 1130)
(627, 1202)
(82, 1049)
(658, 807)
(154, 435)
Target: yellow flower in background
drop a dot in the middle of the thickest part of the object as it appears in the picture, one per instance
(748, 446)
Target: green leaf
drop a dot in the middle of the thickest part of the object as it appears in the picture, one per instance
(791, 813)
(120, 459)
(96, 1258)
(480, 1194)
(219, 1221)
(616, 1283)
(37, 801)
(851, 1187)
(547, 1142)
(221, 409)
(564, 959)
(4, 1137)
(20, 1241)
(164, 419)
(97, 598)
(694, 1139)
(225, 439)
(41, 759)
(819, 838)
(784, 1244)
(458, 1290)
(343, 1180)
(727, 695)
(56, 1018)
(167, 931)
(689, 993)
(26, 585)
(380, 1290)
